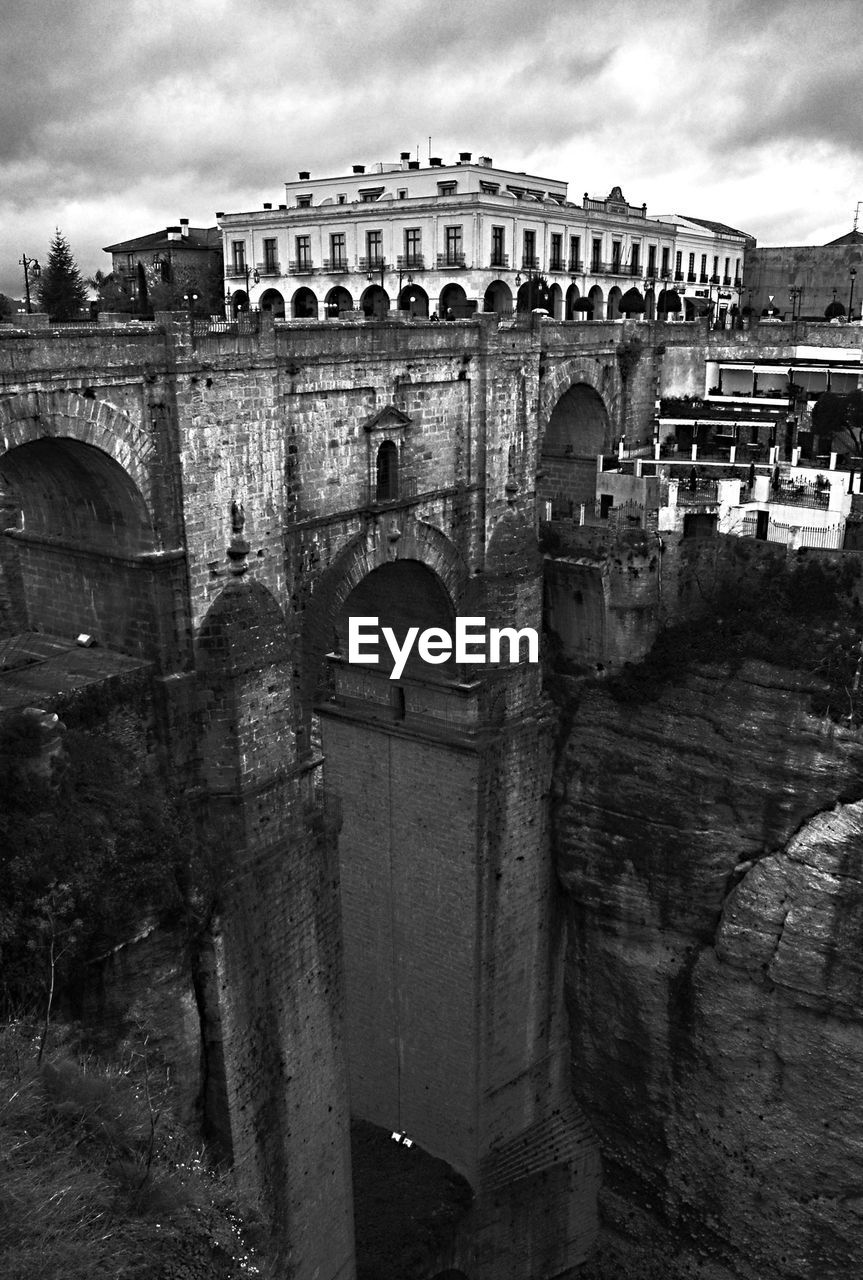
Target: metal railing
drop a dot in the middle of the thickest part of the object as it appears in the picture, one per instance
(800, 493)
(576, 264)
(701, 493)
(270, 268)
(529, 262)
(411, 262)
(450, 260)
(301, 267)
(499, 260)
(373, 264)
(334, 265)
(826, 537)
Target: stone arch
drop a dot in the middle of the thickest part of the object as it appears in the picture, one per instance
(453, 298)
(613, 307)
(414, 299)
(375, 302)
(579, 407)
(572, 296)
(555, 302)
(272, 301)
(337, 300)
(78, 559)
(596, 300)
(394, 535)
(498, 297)
(37, 415)
(304, 304)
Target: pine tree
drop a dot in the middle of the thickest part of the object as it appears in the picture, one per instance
(61, 290)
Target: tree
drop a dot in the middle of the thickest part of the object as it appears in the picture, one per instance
(840, 418)
(61, 291)
(112, 295)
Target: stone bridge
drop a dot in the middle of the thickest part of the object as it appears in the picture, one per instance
(387, 944)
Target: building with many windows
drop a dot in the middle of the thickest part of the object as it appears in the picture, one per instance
(457, 238)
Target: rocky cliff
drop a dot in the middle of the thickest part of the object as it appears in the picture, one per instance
(709, 838)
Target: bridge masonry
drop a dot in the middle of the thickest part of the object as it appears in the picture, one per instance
(207, 502)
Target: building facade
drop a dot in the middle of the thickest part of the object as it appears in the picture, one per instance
(464, 237)
(806, 280)
(161, 268)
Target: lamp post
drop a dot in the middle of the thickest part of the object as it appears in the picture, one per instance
(190, 299)
(796, 292)
(853, 275)
(650, 283)
(532, 275)
(29, 264)
(403, 275)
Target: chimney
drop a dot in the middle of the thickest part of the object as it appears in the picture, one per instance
(413, 164)
(220, 213)
(464, 157)
(359, 168)
(485, 161)
(184, 226)
(173, 233)
(405, 157)
(283, 206)
(435, 162)
(267, 206)
(304, 175)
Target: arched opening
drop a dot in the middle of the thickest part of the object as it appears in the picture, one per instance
(555, 301)
(337, 301)
(239, 301)
(577, 431)
(454, 303)
(668, 304)
(572, 297)
(375, 303)
(304, 305)
(273, 302)
(387, 472)
(415, 300)
(632, 303)
(650, 305)
(73, 559)
(613, 305)
(597, 304)
(498, 297)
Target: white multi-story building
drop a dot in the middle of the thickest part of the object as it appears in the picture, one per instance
(708, 265)
(453, 239)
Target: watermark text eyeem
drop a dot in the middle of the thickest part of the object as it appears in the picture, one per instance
(470, 644)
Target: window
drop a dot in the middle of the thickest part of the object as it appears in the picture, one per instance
(498, 247)
(716, 268)
(529, 250)
(370, 194)
(556, 251)
(238, 252)
(270, 258)
(691, 267)
(341, 199)
(636, 259)
(651, 259)
(304, 202)
(304, 253)
(727, 271)
(413, 247)
(596, 255)
(338, 250)
(375, 248)
(454, 255)
(489, 188)
(678, 265)
(736, 270)
(665, 255)
(575, 253)
(387, 472)
(447, 188)
(704, 268)
(402, 193)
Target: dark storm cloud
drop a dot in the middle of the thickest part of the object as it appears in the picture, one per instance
(119, 116)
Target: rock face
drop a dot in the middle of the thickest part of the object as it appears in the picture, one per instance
(710, 842)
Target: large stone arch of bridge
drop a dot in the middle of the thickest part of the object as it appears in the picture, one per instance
(395, 537)
(579, 413)
(38, 415)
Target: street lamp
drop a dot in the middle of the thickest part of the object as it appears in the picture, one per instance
(796, 292)
(853, 275)
(532, 276)
(29, 264)
(190, 299)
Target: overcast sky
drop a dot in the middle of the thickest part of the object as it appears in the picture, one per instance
(121, 116)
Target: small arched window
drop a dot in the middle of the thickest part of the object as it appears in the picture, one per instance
(387, 475)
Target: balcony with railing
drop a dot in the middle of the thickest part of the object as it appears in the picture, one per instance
(301, 267)
(236, 270)
(499, 260)
(557, 264)
(373, 263)
(791, 491)
(678, 276)
(529, 262)
(702, 279)
(714, 279)
(270, 267)
(576, 265)
(726, 280)
(697, 492)
(450, 259)
(336, 265)
(690, 277)
(410, 262)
